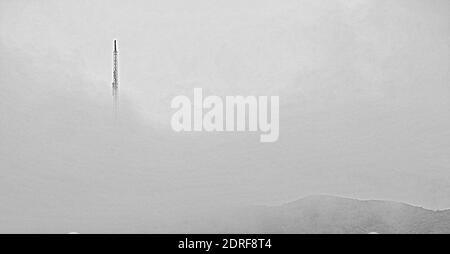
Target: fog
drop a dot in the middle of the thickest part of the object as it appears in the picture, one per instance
(364, 108)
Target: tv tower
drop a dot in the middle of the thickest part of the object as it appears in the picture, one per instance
(115, 83)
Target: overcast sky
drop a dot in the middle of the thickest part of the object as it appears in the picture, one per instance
(364, 105)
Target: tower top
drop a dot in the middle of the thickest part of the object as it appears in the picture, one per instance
(115, 83)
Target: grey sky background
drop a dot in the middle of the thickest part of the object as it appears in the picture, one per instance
(364, 107)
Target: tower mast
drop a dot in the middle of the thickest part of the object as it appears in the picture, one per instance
(115, 83)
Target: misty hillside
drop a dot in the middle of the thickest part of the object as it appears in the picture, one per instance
(328, 214)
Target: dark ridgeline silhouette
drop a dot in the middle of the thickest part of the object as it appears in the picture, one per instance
(336, 215)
